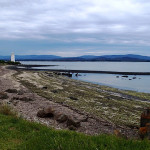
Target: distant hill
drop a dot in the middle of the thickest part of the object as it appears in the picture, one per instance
(31, 57)
(128, 57)
(37, 57)
(4, 57)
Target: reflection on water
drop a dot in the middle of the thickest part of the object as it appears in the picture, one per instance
(139, 83)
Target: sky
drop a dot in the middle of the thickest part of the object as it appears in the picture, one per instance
(74, 28)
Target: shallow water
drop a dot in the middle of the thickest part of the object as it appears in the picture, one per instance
(141, 83)
(100, 66)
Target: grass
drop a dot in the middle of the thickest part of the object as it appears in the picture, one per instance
(3, 62)
(19, 134)
(5, 109)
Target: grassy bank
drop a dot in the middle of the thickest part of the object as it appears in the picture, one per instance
(18, 134)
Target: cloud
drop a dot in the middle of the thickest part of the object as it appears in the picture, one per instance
(108, 22)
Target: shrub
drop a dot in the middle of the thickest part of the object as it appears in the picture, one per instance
(13, 63)
(5, 109)
(2, 61)
(9, 62)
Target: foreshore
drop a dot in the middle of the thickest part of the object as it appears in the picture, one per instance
(29, 67)
(108, 109)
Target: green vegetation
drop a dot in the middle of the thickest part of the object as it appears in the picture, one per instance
(13, 63)
(2, 62)
(5, 109)
(19, 134)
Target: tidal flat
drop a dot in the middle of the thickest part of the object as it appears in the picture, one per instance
(116, 106)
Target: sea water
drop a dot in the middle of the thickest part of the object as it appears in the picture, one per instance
(140, 83)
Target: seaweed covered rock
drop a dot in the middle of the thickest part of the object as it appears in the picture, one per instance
(60, 117)
(11, 91)
(46, 112)
(69, 120)
(49, 111)
(41, 114)
(73, 122)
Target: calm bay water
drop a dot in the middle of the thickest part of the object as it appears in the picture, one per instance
(140, 83)
(102, 66)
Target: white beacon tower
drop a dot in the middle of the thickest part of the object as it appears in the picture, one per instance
(13, 57)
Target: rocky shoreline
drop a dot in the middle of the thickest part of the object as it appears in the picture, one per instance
(94, 108)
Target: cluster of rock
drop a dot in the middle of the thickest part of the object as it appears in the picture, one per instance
(126, 76)
(3, 95)
(15, 91)
(71, 122)
(64, 74)
(25, 99)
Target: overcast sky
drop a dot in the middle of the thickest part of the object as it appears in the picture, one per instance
(73, 28)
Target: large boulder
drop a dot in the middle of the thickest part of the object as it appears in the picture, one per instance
(73, 122)
(60, 117)
(41, 114)
(46, 112)
(49, 110)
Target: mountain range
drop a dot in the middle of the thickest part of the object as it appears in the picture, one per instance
(127, 57)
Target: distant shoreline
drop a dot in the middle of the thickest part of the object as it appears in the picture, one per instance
(88, 60)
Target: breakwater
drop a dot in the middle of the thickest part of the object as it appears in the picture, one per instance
(30, 67)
